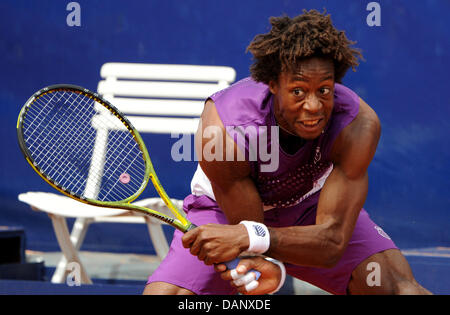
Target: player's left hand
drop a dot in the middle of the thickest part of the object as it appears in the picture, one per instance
(216, 243)
(269, 281)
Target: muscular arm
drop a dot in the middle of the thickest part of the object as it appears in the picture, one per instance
(341, 199)
(233, 189)
(340, 202)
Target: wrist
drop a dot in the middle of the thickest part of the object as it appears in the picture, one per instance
(282, 275)
(244, 240)
(258, 237)
(273, 241)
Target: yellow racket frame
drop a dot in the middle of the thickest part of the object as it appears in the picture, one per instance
(179, 222)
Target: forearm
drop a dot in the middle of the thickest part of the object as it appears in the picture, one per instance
(311, 245)
(322, 244)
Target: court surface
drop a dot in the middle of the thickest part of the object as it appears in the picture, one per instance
(118, 273)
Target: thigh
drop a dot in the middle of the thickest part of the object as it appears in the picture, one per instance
(367, 240)
(182, 273)
(387, 272)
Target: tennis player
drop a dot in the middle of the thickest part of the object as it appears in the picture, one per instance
(294, 192)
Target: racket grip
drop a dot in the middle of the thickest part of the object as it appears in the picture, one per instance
(233, 264)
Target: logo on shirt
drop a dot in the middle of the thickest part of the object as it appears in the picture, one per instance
(381, 232)
(259, 231)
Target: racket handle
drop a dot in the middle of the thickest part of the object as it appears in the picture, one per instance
(233, 264)
(190, 227)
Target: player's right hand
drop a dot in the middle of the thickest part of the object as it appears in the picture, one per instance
(216, 243)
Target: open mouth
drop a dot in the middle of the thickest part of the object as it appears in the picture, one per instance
(311, 123)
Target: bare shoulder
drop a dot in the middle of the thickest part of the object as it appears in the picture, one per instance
(367, 118)
(355, 146)
(210, 116)
(366, 126)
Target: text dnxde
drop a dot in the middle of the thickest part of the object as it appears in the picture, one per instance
(228, 304)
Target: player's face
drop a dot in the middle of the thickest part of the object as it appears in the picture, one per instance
(303, 99)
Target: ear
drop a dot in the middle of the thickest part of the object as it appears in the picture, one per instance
(273, 86)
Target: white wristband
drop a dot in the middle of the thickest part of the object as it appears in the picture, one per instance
(259, 237)
(283, 273)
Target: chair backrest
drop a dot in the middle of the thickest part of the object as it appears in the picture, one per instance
(156, 98)
(162, 98)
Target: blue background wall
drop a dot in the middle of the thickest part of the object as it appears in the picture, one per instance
(404, 78)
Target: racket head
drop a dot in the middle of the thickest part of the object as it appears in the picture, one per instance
(62, 131)
(54, 134)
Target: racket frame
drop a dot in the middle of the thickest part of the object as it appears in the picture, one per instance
(179, 222)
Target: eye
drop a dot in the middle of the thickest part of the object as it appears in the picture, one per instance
(325, 91)
(298, 92)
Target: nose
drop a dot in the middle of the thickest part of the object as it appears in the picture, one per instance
(312, 104)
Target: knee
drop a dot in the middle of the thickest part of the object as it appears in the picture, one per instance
(409, 287)
(388, 286)
(162, 288)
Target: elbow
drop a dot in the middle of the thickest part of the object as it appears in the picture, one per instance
(332, 258)
(333, 250)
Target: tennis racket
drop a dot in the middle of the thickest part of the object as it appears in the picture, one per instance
(88, 150)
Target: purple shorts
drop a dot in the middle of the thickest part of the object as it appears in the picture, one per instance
(185, 270)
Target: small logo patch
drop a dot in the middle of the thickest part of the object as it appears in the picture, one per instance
(381, 232)
(259, 230)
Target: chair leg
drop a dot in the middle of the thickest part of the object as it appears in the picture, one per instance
(69, 251)
(158, 238)
(76, 237)
(59, 275)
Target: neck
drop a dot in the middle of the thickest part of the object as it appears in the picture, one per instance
(289, 141)
(287, 131)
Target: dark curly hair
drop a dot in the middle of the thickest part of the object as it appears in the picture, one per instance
(292, 39)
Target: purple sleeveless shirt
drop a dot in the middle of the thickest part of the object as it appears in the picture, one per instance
(246, 108)
(285, 191)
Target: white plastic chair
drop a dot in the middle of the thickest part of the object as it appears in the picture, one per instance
(157, 98)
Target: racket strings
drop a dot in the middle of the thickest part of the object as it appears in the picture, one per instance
(37, 138)
(93, 160)
(79, 179)
(56, 128)
(50, 154)
(30, 136)
(98, 164)
(124, 159)
(62, 142)
(126, 141)
(56, 158)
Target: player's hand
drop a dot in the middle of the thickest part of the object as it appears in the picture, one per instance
(270, 278)
(216, 243)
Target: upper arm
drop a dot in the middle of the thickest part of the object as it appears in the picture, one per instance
(345, 190)
(355, 146)
(212, 144)
(230, 178)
